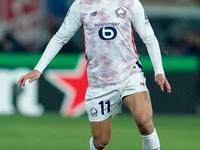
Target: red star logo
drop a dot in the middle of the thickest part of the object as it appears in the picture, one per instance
(73, 83)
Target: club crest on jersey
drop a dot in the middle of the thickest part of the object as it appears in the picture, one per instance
(94, 112)
(120, 13)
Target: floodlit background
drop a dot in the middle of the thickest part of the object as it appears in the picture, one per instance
(50, 112)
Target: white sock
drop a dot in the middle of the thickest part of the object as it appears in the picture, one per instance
(151, 142)
(92, 147)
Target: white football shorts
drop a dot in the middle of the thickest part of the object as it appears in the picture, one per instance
(102, 103)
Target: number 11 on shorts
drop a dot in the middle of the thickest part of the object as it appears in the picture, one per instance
(102, 106)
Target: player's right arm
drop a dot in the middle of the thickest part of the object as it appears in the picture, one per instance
(69, 27)
(33, 75)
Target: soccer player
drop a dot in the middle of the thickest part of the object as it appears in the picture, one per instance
(114, 71)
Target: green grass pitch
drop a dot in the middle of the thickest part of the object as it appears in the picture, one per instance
(53, 132)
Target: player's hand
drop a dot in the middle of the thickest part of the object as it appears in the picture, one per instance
(33, 75)
(162, 81)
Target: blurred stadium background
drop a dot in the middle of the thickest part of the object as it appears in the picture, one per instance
(50, 113)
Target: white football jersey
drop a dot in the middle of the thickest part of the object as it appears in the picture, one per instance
(110, 49)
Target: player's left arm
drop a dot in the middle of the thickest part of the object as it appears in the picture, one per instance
(143, 27)
(163, 82)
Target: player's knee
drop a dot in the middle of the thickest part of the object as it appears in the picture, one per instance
(101, 143)
(145, 125)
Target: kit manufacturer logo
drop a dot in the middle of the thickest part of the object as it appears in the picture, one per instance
(93, 14)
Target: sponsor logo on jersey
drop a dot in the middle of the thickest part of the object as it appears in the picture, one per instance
(107, 30)
(107, 33)
(120, 13)
(106, 24)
